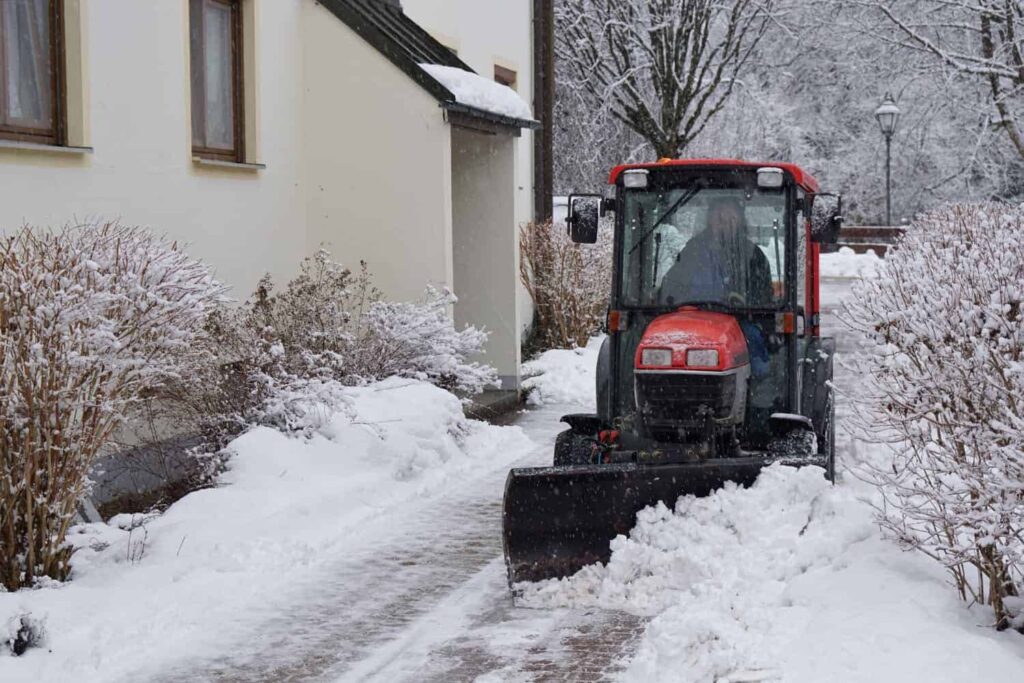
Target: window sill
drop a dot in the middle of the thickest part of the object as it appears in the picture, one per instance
(232, 165)
(22, 145)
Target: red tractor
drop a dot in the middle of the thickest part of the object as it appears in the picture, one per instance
(713, 367)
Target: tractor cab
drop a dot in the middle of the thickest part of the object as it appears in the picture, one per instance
(725, 241)
(713, 366)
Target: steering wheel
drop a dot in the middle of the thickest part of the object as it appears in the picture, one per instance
(736, 299)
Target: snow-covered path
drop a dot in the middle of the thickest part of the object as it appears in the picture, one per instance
(423, 599)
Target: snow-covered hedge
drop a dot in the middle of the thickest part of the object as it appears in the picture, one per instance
(91, 319)
(569, 284)
(331, 322)
(945, 382)
(283, 359)
(565, 377)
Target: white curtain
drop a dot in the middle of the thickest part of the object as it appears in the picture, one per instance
(25, 59)
(220, 130)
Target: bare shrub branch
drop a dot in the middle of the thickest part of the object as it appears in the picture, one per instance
(569, 283)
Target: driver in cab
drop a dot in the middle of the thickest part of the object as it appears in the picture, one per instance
(720, 264)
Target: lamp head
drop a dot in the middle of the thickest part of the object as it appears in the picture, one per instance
(888, 115)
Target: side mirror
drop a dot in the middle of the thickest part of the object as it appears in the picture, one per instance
(826, 218)
(584, 212)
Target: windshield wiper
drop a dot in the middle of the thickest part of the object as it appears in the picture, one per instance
(723, 306)
(682, 201)
(700, 303)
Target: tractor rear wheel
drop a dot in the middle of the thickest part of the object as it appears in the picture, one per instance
(572, 448)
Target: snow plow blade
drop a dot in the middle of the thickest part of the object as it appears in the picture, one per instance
(557, 520)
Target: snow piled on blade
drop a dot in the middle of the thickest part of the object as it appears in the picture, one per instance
(150, 591)
(781, 581)
(563, 376)
(476, 91)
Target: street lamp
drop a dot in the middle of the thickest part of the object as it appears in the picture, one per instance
(888, 115)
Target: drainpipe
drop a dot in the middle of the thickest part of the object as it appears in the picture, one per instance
(543, 106)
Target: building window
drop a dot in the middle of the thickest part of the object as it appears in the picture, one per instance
(31, 63)
(505, 76)
(215, 28)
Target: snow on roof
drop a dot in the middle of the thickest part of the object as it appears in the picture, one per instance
(473, 90)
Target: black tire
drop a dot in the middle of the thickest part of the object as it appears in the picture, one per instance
(572, 449)
(830, 444)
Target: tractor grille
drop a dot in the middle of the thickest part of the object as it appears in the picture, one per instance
(669, 398)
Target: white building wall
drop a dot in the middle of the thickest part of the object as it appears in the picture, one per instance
(485, 33)
(141, 172)
(377, 159)
(356, 154)
(485, 275)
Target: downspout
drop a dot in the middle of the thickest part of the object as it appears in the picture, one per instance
(543, 107)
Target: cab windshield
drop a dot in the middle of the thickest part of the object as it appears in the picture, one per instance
(692, 243)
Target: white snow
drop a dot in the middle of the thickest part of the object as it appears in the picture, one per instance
(848, 264)
(788, 580)
(476, 91)
(222, 558)
(563, 376)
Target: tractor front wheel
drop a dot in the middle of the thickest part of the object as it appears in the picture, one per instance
(572, 448)
(830, 447)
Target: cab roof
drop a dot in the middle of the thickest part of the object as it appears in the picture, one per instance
(801, 177)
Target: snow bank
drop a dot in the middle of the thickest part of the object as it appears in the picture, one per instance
(178, 584)
(476, 91)
(563, 376)
(787, 580)
(847, 263)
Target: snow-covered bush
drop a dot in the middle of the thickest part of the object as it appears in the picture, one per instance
(91, 319)
(283, 359)
(945, 384)
(569, 284)
(418, 340)
(330, 322)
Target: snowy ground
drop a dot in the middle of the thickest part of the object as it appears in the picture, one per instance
(372, 552)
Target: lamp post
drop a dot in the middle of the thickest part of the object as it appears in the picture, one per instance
(888, 115)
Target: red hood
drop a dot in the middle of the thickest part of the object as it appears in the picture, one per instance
(693, 329)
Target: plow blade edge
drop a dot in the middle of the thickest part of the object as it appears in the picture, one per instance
(557, 520)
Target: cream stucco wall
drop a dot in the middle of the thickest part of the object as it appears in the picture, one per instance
(356, 154)
(485, 268)
(485, 33)
(378, 161)
(141, 171)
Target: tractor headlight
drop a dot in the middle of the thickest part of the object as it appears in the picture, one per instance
(656, 357)
(635, 178)
(702, 358)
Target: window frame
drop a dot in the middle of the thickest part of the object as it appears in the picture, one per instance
(506, 76)
(56, 135)
(714, 179)
(198, 94)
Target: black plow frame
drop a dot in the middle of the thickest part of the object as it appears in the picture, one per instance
(557, 520)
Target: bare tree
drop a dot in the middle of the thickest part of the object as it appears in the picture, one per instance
(977, 39)
(664, 68)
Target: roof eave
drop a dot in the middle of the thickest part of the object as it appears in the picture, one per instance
(490, 117)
